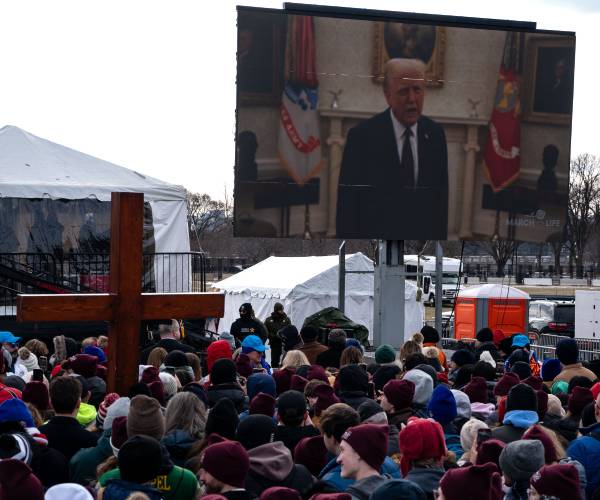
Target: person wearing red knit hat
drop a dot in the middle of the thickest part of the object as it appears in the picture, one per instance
(483, 482)
(217, 350)
(560, 481)
(362, 452)
(423, 450)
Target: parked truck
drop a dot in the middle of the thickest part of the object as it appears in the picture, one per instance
(424, 266)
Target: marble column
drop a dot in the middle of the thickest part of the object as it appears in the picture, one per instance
(471, 148)
(336, 142)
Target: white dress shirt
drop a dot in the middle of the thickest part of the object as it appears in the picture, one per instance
(399, 133)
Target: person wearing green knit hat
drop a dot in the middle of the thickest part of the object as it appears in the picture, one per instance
(385, 354)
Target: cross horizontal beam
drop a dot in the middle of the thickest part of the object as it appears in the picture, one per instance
(100, 306)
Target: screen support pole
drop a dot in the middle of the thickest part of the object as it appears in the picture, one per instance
(389, 303)
(439, 275)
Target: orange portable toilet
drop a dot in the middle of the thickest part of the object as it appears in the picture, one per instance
(491, 305)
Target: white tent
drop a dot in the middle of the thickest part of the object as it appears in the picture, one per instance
(305, 285)
(31, 167)
(34, 168)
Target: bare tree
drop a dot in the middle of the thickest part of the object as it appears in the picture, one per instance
(584, 206)
(205, 215)
(501, 251)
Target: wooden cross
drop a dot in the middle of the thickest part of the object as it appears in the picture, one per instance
(124, 306)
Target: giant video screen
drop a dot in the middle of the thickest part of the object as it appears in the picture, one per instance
(354, 128)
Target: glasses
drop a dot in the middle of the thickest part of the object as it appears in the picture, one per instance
(437, 494)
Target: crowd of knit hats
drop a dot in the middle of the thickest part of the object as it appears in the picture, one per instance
(486, 421)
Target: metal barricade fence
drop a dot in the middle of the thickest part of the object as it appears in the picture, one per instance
(545, 347)
(547, 340)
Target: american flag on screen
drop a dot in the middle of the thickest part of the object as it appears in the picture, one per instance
(299, 141)
(503, 149)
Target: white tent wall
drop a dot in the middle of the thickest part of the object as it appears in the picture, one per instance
(169, 219)
(305, 285)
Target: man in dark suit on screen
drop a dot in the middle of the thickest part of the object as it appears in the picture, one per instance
(393, 181)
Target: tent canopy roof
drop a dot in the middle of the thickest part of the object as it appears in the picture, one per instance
(32, 167)
(493, 291)
(279, 276)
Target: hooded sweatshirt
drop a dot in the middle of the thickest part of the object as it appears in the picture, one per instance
(361, 490)
(86, 414)
(271, 464)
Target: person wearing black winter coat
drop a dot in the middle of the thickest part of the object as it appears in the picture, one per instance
(247, 324)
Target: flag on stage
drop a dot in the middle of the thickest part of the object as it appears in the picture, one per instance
(502, 155)
(299, 141)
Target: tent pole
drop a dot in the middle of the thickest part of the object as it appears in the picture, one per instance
(439, 275)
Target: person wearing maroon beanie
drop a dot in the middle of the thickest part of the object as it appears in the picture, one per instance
(423, 447)
(489, 451)
(298, 383)
(224, 469)
(262, 404)
(317, 372)
(396, 401)
(325, 398)
(476, 389)
(283, 379)
(312, 453)
(579, 398)
(538, 432)
(506, 382)
(534, 382)
(82, 364)
(18, 482)
(362, 452)
(560, 481)
(476, 482)
(37, 394)
(280, 493)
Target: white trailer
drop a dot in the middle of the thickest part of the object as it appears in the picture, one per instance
(587, 314)
(425, 266)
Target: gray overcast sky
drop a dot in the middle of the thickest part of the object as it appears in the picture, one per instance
(150, 85)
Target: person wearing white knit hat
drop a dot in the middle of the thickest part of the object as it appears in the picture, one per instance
(72, 491)
(26, 362)
(169, 385)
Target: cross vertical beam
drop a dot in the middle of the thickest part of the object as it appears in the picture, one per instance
(125, 285)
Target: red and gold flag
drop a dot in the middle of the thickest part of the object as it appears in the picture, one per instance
(502, 155)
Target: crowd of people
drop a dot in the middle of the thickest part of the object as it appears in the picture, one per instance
(323, 421)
